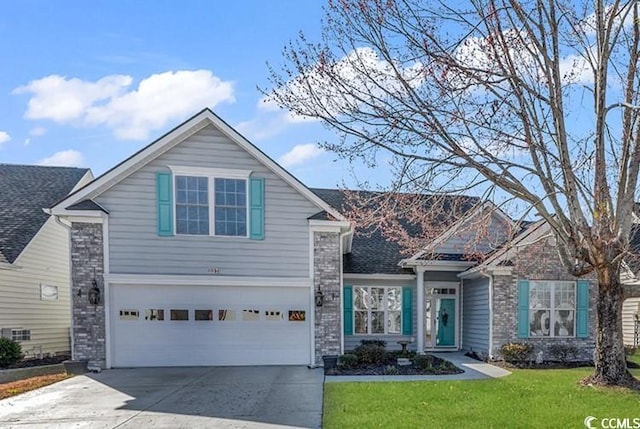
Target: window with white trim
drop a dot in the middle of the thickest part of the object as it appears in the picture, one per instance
(21, 334)
(192, 205)
(211, 202)
(231, 207)
(552, 308)
(377, 310)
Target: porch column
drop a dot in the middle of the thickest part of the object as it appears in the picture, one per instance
(420, 308)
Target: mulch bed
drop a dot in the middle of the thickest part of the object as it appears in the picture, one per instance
(440, 367)
(28, 363)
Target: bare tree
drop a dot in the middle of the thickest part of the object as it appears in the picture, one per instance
(537, 100)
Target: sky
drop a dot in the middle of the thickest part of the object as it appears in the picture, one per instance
(89, 83)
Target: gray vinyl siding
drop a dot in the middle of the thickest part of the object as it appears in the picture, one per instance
(629, 309)
(353, 341)
(44, 261)
(475, 313)
(466, 241)
(135, 247)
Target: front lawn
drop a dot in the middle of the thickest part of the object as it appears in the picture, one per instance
(527, 398)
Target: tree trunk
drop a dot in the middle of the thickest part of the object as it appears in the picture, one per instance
(609, 359)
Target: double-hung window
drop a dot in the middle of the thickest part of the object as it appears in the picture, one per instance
(208, 202)
(192, 205)
(377, 310)
(231, 207)
(552, 308)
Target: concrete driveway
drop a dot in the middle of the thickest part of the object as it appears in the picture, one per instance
(196, 397)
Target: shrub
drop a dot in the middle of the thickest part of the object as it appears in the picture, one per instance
(516, 353)
(630, 351)
(391, 370)
(10, 352)
(563, 352)
(348, 361)
(371, 354)
(380, 343)
(423, 361)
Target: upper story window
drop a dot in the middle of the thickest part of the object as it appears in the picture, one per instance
(211, 201)
(231, 207)
(192, 205)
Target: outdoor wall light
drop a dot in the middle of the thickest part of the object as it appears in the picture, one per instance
(319, 298)
(94, 293)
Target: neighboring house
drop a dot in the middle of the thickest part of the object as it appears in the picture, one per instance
(202, 250)
(34, 257)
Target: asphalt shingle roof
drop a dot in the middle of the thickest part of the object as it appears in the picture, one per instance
(372, 253)
(24, 191)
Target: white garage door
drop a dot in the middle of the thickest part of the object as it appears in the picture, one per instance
(209, 325)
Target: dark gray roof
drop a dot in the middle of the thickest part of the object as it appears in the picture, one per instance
(87, 205)
(371, 253)
(24, 191)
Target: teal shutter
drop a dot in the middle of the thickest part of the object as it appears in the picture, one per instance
(347, 304)
(256, 208)
(164, 187)
(523, 309)
(582, 309)
(407, 310)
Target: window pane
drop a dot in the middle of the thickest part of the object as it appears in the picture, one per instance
(540, 295)
(230, 211)
(273, 315)
(203, 314)
(377, 322)
(564, 323)
(539, 323)
(395, 322)
(377, 298)
(297, 315)
(361, 302)
(250, 314)
(361, 321)
(565, 295)
(154, 314)
(394, 299)
(226, 315)
(179, 314)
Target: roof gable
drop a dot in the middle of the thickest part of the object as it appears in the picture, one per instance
(171, 139)
(25, 191)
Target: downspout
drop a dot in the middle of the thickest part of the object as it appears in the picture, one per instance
(71, 336)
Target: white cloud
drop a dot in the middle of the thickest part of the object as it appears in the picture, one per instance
(130, 112)
(65, 158)
(4, 137)
(346, 84)
(299, 154)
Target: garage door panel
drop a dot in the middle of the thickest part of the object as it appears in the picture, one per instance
(272, 339)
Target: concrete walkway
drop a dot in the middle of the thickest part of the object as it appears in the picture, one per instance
(193, 398)
(473, 370)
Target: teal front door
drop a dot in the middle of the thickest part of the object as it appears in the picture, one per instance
(445, 322)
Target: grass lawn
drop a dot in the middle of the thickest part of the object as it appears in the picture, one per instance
(527, 398)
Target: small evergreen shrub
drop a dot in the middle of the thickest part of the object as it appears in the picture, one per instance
(516, 353)
(391, 370)
(563, 352)
(371, 354)
(348, 361)
(380, 343)
(423, 361)
(10, 352)
(630, 351)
